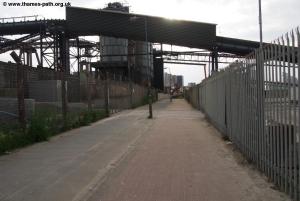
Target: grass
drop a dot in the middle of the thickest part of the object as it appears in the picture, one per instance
(43, 125)
(46, 123)
(144, 101)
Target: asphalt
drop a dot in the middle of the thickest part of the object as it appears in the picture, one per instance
(177, 155)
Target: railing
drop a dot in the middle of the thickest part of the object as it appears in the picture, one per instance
(255, 103)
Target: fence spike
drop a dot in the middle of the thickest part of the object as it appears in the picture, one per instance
(293, 38)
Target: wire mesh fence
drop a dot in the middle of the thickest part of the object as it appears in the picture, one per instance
(42, 89)
(255, 103)
(34, 106)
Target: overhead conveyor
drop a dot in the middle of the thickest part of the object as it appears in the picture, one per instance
(85, 22)
(95, 22)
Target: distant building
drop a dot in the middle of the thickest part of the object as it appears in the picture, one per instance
(280, 90)
(167, 80)
(173, 80)
(191, 84)
(289, 78)
(179, 81)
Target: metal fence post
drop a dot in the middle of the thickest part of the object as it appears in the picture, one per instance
(89, 86)
(298, 113)
(21, 101)
(106, 94)
(20, 89)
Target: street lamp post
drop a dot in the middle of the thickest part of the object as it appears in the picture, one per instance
(148, 62)
(149, 71)
(260, 23)
(260, 84)
(170, 84)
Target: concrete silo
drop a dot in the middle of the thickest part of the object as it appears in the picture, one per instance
(114, 53)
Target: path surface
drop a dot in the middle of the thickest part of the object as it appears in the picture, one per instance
(175, 156)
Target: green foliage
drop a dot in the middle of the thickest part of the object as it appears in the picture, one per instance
(145, 100)
(84, 118)
(9, 141)
(12, 137)
(38, 129)
(42, 126)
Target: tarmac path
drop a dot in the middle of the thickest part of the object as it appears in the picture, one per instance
(177, 156)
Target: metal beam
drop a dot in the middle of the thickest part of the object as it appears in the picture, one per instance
(185, 63)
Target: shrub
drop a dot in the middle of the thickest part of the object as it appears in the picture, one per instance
(12, 140)
(42, 126)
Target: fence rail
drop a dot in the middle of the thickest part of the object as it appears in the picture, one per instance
(255, 103)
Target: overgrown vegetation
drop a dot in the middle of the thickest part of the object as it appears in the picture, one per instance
(43, 125)
(144, 101)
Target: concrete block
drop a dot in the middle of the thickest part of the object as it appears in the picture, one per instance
(9, 108)
(45, 90)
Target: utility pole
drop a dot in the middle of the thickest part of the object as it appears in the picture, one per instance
(260, 23)
(170, 84)
(260, 93)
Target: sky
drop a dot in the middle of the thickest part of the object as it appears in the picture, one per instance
(234, 18)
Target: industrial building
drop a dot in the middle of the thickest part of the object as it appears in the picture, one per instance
(123, 58)
(191, 84)
(179, 81)
(54, 66)
(56, 57)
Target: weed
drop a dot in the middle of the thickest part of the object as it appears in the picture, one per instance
(42, 125)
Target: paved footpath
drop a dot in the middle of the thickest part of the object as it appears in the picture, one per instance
(177, 156)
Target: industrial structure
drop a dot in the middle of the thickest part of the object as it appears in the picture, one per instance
(254, 101)
(114, 54)
(129, 49)
(56, 43)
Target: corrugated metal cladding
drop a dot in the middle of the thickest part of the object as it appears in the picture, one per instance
(81, 21)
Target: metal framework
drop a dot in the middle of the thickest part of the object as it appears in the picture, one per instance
(50, 43)
(56, 44)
